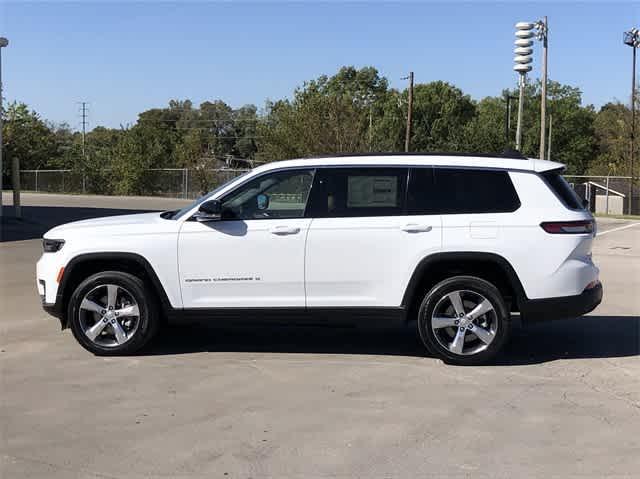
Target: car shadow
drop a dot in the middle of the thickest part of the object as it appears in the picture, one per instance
(37, 220)
(579, 338)
(587, 337)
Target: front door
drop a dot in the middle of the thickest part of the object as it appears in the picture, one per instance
(254, 255)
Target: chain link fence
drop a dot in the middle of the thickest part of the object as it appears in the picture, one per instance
(169, 182)
(613, 195)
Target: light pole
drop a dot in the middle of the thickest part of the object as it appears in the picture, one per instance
(542, 33)
(522, 60)
(525, 32)
(3, 43)
(632, 38)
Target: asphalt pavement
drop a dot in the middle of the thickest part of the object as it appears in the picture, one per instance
(208, 401)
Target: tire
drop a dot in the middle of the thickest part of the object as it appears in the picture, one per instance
(457, 339)
(113, 313)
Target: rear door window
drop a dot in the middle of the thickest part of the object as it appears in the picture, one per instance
(421, 198)
(351, 192)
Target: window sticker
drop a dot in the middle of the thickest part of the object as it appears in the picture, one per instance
(372, 191)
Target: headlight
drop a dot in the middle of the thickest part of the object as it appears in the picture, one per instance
(52, 245)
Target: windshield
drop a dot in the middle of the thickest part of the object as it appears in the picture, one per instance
(181, 212)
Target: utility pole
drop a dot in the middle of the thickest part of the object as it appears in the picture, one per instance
(84, 154)
(632, 38)
(3, 43)
(550, 131)
(633, 112)
(407, 138)
(542, 28)
(15, 176)
(84, 127)
(15, 179)
(370, 100)
(370, 128)
(507, 119)
(633, 124)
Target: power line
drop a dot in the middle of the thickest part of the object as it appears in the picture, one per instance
(186, 120)
(225, 136)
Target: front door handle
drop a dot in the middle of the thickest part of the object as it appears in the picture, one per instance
(416, 228)
(284, 230)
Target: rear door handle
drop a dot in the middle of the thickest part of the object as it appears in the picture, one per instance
(416, 228)
(282, 230)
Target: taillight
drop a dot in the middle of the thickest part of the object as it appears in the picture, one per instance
(592, 284)
(569, 227)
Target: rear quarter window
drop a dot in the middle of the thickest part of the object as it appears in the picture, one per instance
(460, 190)
(562, 190)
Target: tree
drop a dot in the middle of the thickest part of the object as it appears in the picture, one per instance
(486, 131)
(573, 140)
(28, 137)
(352, 111)
(440, 113)
(327, 115)
(246, 130)
(139, 149)
(613, 131)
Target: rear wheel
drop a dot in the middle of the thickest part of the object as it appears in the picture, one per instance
(464, 320)
(113, 313)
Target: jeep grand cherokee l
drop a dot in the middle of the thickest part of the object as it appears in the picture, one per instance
(455, 244)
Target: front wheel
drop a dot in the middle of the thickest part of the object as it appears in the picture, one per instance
(113, 313)
(464, 320)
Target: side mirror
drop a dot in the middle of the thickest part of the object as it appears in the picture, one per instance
(209, 211)
(585, 203)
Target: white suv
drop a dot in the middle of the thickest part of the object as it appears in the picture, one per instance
(457, 243)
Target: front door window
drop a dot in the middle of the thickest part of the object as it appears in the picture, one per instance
(280, 195)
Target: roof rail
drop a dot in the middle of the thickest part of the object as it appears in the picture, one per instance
(513, 154)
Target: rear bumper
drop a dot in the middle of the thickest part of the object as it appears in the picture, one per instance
(562, 307)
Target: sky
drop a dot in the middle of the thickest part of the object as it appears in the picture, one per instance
(125, 57)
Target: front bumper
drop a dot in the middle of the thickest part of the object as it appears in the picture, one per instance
(42, 292)
(48, 271)
(562, 307)
(52, 309)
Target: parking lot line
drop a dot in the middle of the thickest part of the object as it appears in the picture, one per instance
(617, 229)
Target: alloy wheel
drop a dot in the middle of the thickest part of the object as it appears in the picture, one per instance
(109, 315)
(464, 322)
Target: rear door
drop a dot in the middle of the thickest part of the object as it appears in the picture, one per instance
(361, 239)
(477, 207)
